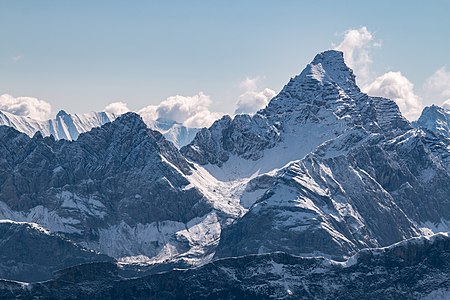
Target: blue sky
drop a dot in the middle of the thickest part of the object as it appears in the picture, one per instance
(83, 55)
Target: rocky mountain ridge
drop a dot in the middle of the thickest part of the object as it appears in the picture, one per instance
(324, 170)
(414, 269)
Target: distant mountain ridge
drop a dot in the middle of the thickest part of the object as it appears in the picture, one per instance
(70, 126)
(436, 119)
(64, 126)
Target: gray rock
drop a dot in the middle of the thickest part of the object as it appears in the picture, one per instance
(30, 253)
(414, 269)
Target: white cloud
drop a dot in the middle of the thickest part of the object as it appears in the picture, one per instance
(252, 99)
(191, 111)
(249, 84)
(26, 106)
(117, 108)
(437, 86)
(395, 86)
(149, 113)
(356, 47)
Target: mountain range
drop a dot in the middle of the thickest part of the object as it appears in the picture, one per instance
(70, 126)
(325, 189)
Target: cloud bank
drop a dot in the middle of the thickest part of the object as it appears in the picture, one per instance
(191, 111)
(437, 86)
(252, 99)
(395, 86)
(117, 108)
(357, 45)
(26, 107)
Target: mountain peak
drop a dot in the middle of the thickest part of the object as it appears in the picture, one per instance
(329, 66)
(329, 56)
(131, 119)
(326, 81)
(61, 114)
(326, 71)
(435, 118)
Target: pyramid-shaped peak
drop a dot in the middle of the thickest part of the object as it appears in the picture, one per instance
(328, 68)
(130, 119)
(433, 113)
(61, 114)
(437, 108)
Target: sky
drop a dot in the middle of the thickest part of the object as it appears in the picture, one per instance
(195, 60)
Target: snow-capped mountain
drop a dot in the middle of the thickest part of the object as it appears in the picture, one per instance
(64, 126)
(70, 126)
(323, 170)
(175, 132)
(436, 119)
(328, 169)
(121, 189)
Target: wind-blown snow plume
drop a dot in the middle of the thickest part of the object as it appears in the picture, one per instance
(190, 111)
(26, 106)
(253, 99)
(395, 86)
(117, 108)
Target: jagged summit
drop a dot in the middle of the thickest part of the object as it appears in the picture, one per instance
(435, 118)
(63, 126)
(131, 119)
(318, 105)
(327, 70)
(62, 113)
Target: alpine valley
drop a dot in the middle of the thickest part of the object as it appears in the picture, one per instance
(326, 193)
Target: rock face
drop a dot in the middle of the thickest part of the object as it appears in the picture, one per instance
(414, 269)
(436, 119)
(117, 178)
(315, 106)
(372, 195)
(347, 171)
(324, 170)
(29, 252)
(243, 136)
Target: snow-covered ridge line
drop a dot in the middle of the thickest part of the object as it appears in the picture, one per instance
(63, 126)
(70, 126)
(33, 225)
(436, 119)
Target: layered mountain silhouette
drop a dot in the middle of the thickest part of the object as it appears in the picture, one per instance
(303, 185)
